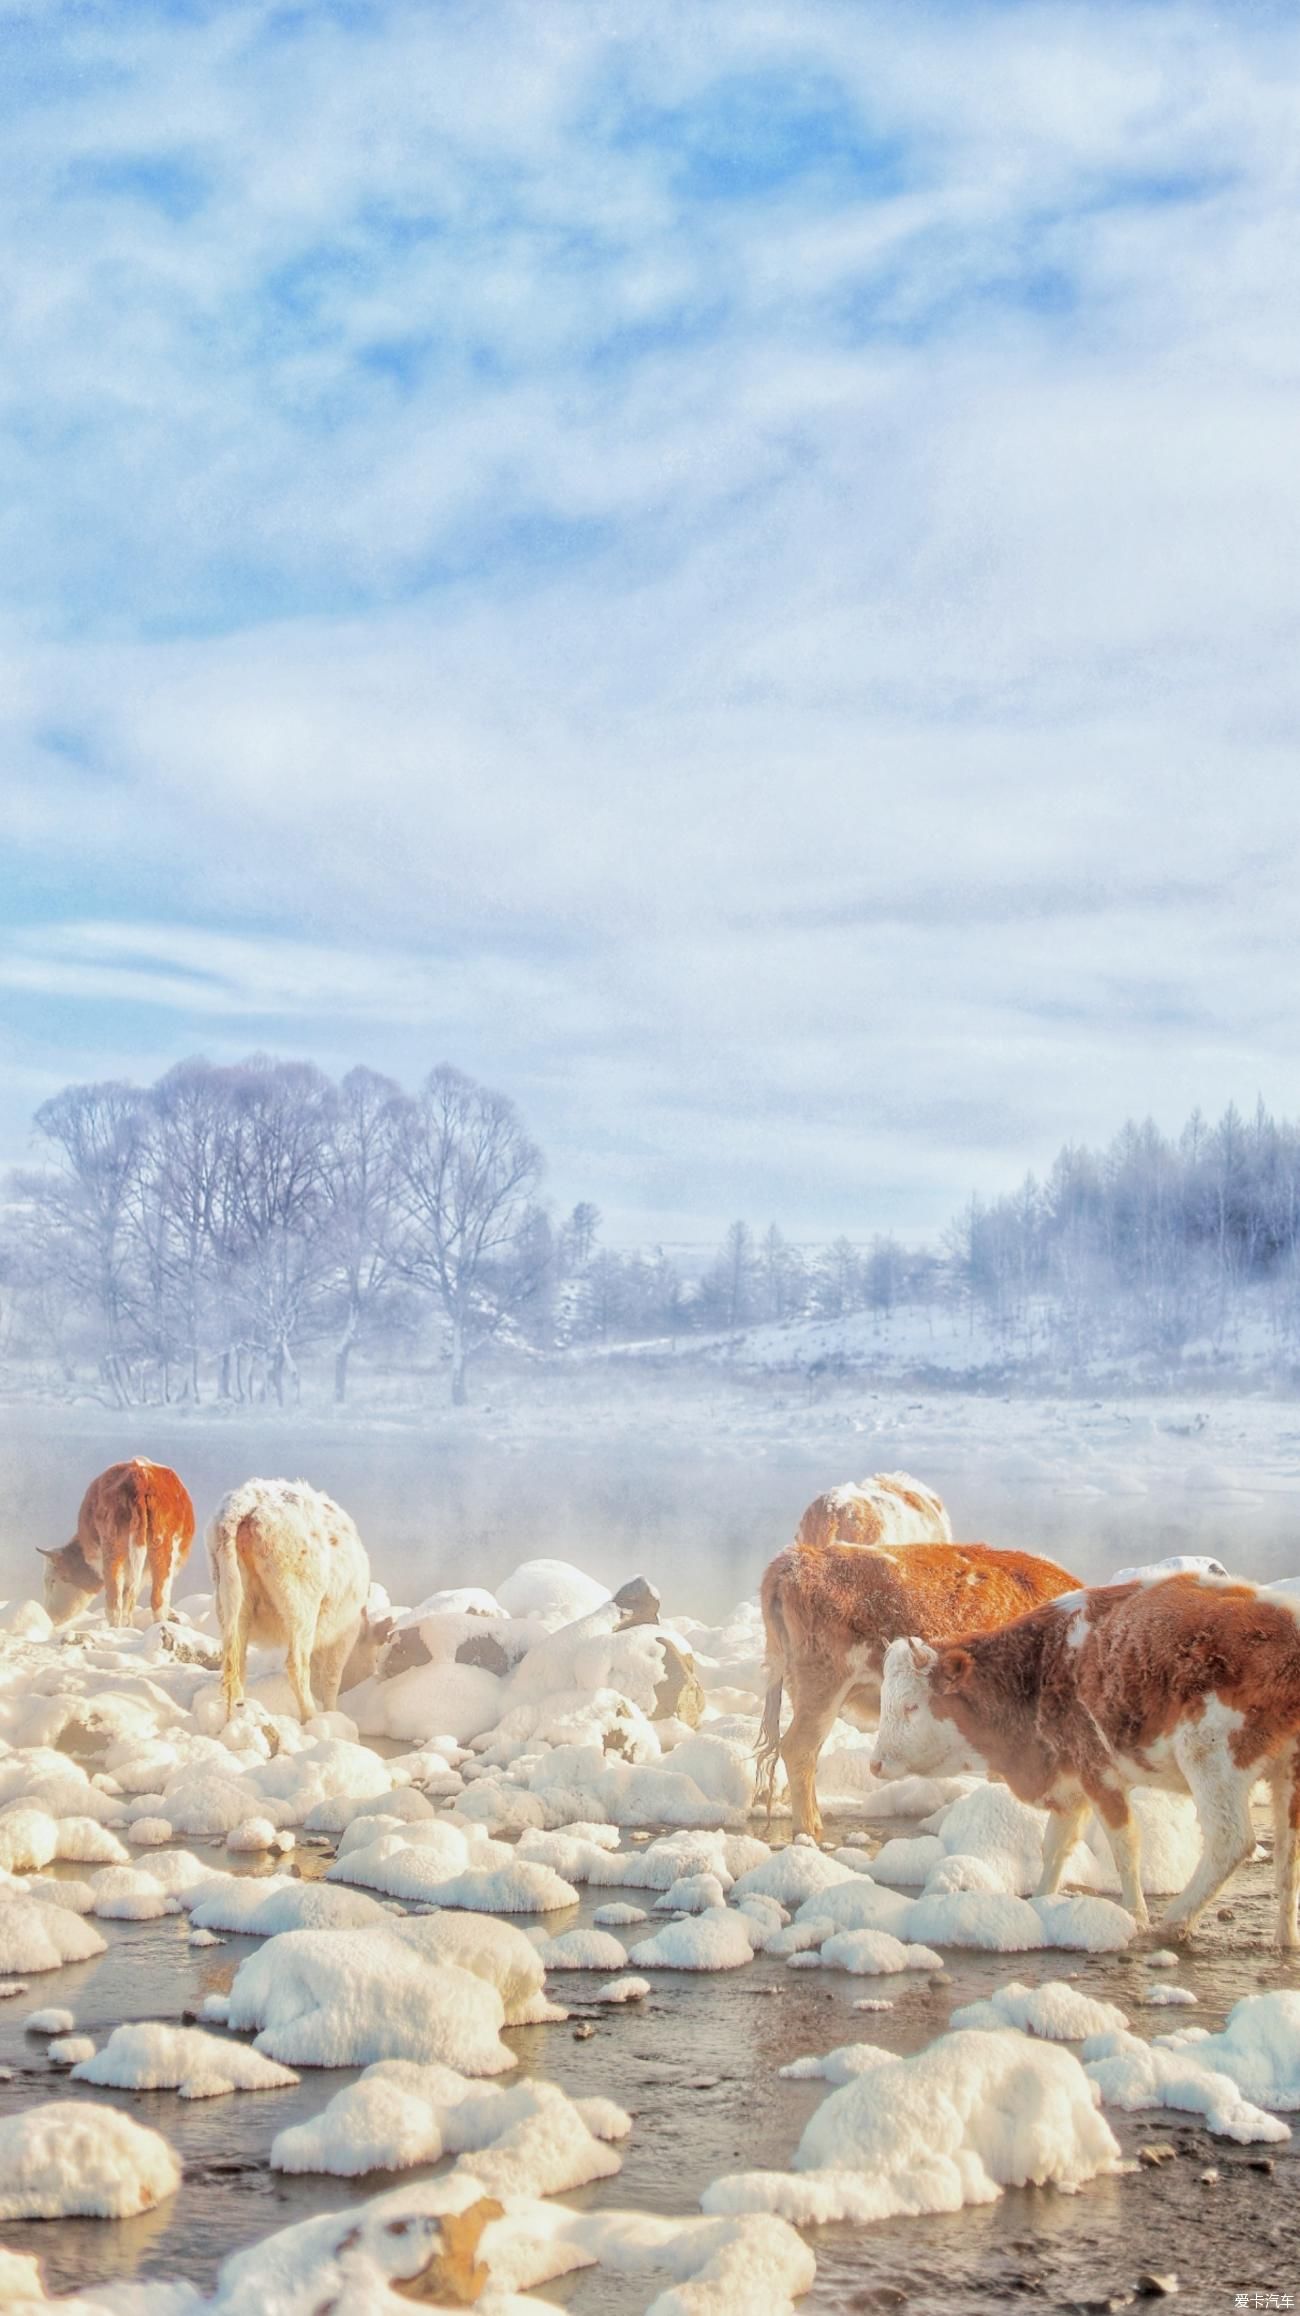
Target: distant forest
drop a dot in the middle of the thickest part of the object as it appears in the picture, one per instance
(205, 1237)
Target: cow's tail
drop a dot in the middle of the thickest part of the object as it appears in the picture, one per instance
(767, 1752)
(228, 1586)
(144, 1532)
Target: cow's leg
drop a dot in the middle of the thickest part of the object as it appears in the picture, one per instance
(1120, 1828)
(162, 1573)
(1064, 1827)
(1284, 1786)
(297, 1664)
(116, 1582)
(327, 1671)
(817, 1700)
(234, 1655)
(1222, 1793)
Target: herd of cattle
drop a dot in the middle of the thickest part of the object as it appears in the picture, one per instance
(288, 1570)
(1177, 1676)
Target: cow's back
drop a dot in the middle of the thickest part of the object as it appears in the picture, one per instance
(1143, 1657)
(887, 1508)
(936, 1591)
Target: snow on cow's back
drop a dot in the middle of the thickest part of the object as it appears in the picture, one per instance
(885, 1508)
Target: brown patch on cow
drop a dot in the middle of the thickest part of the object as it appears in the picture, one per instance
(1151, 1658)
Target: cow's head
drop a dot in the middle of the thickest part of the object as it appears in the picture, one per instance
(914, 1739)
(70, 1581)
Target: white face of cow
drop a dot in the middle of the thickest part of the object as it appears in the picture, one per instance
(912, 1741)
(64, 1599)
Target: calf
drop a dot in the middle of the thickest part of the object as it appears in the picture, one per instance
(135, 1516)
(887, 1508)
(288, 1567)
(1190, 1682)
(830, 1612)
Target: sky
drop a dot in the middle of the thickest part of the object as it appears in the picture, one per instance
(730, 569)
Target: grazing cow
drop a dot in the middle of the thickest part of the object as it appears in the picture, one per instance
(887, 1508)
(135, 1516)
(288, 1567)
(1189, 1682)
(830, 1612)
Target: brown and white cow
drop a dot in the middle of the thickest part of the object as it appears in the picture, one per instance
(1185, 1682)
(135, 1517)
(289, 1569)
(887, 1508)
(830, 1612)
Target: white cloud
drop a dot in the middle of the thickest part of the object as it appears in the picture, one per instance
(796, 680)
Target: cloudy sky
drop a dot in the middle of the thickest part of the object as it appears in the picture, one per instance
(729, 568)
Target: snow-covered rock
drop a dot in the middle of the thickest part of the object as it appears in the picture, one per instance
(147, 2056)
(69, 2158)
(346, 1998)
(969, 2116)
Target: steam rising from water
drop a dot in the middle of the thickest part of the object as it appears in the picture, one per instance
(698, 1504)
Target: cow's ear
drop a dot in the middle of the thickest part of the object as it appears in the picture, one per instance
(954, 1670)
(49, 1551)
(923, 1656)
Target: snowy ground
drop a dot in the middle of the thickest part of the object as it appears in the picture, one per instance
(862, 2058)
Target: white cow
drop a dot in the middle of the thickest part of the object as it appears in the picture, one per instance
(288, 1568)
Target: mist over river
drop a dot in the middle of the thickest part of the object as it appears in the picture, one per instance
(694, 1486)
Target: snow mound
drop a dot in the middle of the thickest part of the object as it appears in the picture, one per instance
(962, 2120)
(530, 2140)
(1084, 1925)
(998, 1923)
(551, 1591)
(1132, 2074)
(858, 1903)
(68, 2050)
(495, 1951)
(874, 1954)
(49, 2022)
(793, 1874)
(958, 1871)
(128, 1894)
(144, 2056)
(691, 1894)
(622, 1990)
(1259, 2048)
(34, 1936)
(262, 1908)
(347, 1998)
(515, 1889)
(619, 1916)
(907, 1863)
(718, 1940)
(1055, 2010)
(583, 1950)
(70, 2158)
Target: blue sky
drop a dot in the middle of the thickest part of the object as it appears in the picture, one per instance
(728, 568)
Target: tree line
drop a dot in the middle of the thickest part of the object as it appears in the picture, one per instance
(195, 1239)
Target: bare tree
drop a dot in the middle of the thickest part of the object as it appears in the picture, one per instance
(361, 1203)
(467, 1171)
(281, 1113)
(98, 1132)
